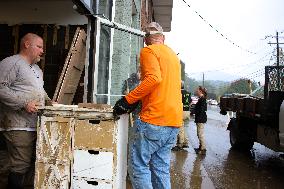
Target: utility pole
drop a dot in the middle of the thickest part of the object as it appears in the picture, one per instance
(203, 82)
(250, 87)
(277, 62)
(277, 46)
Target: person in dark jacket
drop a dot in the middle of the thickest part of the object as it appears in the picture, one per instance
(182, 139)
(201, 118)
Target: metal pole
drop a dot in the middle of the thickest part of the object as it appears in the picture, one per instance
(277, 43)
(250, 87)
(278, 71)
(278, 82)
(203, 82)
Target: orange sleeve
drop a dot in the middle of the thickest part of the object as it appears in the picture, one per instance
(151, 76)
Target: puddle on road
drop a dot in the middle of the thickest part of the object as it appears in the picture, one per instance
(223, 167)
(187, 171)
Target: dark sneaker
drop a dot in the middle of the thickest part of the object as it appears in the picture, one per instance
(202, 152)
(176, 148)
(196, 150)
(185, 146)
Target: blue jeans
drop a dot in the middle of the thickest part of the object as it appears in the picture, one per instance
(150, 154)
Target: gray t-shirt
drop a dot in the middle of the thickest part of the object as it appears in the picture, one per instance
(20, 83)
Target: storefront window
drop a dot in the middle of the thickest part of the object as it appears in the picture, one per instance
(117, 48)
(103, 65)
(117, 59)
(103, 8)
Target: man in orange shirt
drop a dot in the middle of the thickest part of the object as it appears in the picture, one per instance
(161, 114)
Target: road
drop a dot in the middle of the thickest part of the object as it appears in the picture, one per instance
(223, 167)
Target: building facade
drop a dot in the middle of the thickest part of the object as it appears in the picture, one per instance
(114, 38)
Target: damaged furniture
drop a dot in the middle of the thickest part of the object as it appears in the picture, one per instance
(81, 148)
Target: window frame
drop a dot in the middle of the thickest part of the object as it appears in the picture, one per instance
(96, 21)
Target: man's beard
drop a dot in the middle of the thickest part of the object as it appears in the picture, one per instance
(37, 60)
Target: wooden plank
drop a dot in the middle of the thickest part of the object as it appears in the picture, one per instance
(95, 106)
(42, 63)
(66, 40)
(54, 37)
(15, 33)
(72, 70)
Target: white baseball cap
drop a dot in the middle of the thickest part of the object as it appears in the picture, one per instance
(153, 28)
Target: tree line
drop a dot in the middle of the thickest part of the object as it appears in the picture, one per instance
(216, 89)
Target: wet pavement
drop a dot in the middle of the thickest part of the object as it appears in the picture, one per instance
(223, 167)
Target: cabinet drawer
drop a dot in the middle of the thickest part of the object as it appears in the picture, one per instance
(91, 164)
(85, 184)
(94, 134)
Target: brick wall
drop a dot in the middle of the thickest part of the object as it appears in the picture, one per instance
(136, 42)
(146, 13)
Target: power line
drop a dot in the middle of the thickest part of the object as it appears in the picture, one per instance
(259, 62)
(220, 33)
(251, 74)
(255, 74)
(254, 78)
(236, 65)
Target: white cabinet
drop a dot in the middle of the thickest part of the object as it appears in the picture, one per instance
(81, 148)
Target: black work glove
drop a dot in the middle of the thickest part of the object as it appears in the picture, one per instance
(123, 107)
(223, 112)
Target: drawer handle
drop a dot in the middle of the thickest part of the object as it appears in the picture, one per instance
(94, 121)
(93, 152)
(95, 183)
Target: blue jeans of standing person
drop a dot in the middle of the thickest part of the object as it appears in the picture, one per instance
(150, 155)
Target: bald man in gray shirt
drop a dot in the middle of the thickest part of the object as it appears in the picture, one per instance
(21, 93)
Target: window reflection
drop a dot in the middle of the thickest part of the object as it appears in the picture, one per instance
(103, 65)
(104, 8)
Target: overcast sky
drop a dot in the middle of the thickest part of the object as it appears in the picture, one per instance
(246, 22)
